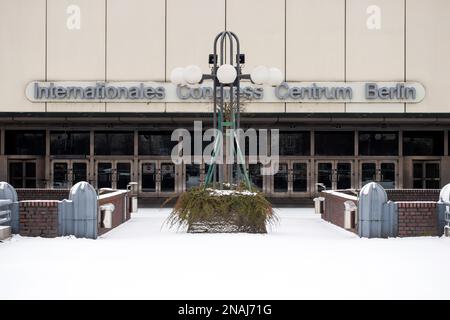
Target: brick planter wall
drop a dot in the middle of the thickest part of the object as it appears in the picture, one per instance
(417, 219)
(121, 203)
(42, 194)
(334, 207)
(38, 218)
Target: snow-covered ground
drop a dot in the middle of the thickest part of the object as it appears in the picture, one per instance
(302, 257)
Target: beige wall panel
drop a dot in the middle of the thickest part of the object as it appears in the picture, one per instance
(263, 107)
(259, 24)
(189, 107)
(315, 107)
(315, 32)
(135, 40)
(75, 107)
(22, 53)
(135, 107)
(428, 52)
(375, 107)
(191, 28)
(76, 54)
(375, 54)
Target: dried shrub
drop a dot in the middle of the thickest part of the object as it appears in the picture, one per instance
(212, 210)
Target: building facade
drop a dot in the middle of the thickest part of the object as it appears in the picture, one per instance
(341, 144)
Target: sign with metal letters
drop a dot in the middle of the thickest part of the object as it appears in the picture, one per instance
(289, 92)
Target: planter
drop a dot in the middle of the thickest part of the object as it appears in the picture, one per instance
(222, 211)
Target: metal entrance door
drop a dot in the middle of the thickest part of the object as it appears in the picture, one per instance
(158, 177)
(115, 174)
(292, 178)
(334, 174)
(383, 172)
(66, 173)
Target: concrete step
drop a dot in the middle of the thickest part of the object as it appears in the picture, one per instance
(5, 232)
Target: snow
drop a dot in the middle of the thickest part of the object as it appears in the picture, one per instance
(302, 257)
(220, 193)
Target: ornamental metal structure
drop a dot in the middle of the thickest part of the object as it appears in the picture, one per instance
(226, 74)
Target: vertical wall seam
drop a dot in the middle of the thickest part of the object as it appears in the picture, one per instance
(165, 47)
(285, 47)
(46, 47)
(106, 43)
(165, 40)
(345, 48)
(225, 15)
(404, 48)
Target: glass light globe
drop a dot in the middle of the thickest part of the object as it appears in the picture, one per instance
(226, 74)
(177, 76)
(260, 75)
(192, 74)
(275, 77)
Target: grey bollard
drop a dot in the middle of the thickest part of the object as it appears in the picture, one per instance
(85, 203)
(442, 208)
(7, 192)
(375, 216)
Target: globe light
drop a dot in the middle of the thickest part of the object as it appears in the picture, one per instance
(275, 77)
(177, 76)
(192, 74)
(260, 75)
(226, 74)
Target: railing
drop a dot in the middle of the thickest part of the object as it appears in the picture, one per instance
(5, 214)
(444, 216)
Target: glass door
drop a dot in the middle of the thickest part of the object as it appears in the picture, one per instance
(60, 174)
(368, 172)
(324, 176)
(299, 177)
(167, 177)
(334, 174)
(123, 175)
(426, 175)
(191, 176)
(148, 176)
(104, 175)
(79, 171)
(281, 179)
(388, 175)
(343, 175)
(67, 173)
(255, 176)
(157, 177)
(380, 171)
(22, 174)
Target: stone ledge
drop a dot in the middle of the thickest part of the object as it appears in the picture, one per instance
(5, 232)
(39, 203)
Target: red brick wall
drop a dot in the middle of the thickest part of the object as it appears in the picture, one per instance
(38, 218)
(417, 219)
(42, 194)
(118, 215)
(334, 208)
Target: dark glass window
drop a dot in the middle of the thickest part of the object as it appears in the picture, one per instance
(378, 143)
(20, 142)
(295, 143)
(334, 143)
(69, 143)
(423, 143)
(156, 143)
(113, 143)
